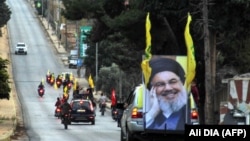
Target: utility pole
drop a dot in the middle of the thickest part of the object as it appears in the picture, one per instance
(96, 65)
(120, 84)
(209, 105)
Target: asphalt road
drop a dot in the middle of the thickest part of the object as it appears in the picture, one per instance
(18, 134)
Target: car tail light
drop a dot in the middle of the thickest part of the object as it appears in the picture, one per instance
(58, 109)
(194, 114)
(136, 113)
(81, 101)
(91, 107)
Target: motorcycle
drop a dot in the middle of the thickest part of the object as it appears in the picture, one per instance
(103, 108)
(67, 84)
(52, 81)
(40, 92)
(48, 77)
(58, 83)
(119, 116)
(58, 112)
(66, 120)
(114, 113)
(119, 109)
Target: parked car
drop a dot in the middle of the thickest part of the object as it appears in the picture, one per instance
(21, 48)
(82, 111)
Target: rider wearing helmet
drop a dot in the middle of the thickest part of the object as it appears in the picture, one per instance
(65, 108)
(41, 86)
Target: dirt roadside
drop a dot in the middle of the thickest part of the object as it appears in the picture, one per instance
(11, 122)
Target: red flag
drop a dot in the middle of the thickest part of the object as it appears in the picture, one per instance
(113, 98)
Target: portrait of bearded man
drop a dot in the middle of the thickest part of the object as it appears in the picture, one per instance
(167, 96)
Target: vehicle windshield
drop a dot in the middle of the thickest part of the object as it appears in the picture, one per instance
(21, 45)
(74, 58)
(80, 105)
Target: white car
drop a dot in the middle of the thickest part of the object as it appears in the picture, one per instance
(73, 62)
(21, 48)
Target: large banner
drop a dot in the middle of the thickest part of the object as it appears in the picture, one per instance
(166, 105)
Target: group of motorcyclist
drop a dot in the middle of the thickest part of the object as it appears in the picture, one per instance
(62, 103)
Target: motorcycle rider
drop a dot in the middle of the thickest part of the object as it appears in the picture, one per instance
(41, 86)
(65, 108)
(76, 91)
(65, 83)
(59, 78)
(102, 100)
(57, 104)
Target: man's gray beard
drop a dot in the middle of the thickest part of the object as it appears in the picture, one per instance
(168, 107)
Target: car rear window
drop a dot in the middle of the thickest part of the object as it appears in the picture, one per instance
(21, 45)
(80, 105)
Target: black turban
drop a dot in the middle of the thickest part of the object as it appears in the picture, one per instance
(166, 64)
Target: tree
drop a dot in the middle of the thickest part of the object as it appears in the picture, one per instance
(4, 84)
(120, 32)
(4, 77)
(4, 14)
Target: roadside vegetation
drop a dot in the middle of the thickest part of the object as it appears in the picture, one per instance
(119, 30)
(4, 76)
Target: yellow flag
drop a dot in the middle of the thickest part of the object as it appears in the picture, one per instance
(65, 89)
(75, 84)
(191, 63)
(146, 69)
(91, 82)
(55, 86)
(71, 76)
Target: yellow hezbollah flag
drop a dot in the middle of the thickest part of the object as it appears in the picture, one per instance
(75, 84)
(145, 63)
(65, 89)
(191, 64)
(91, 82)
(55, 86)
(42, 81)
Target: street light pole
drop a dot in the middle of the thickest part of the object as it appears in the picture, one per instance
(96, 67)
(59, 23)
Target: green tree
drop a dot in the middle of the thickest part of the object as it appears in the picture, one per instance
(4, 84)
(231, 22)
(4, 14)
(120, 32)
(4, 77)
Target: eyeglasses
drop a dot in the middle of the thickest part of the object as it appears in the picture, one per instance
(162, 84)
